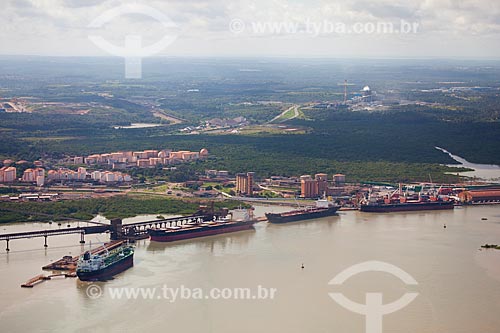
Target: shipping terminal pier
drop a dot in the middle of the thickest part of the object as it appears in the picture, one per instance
(117, 255)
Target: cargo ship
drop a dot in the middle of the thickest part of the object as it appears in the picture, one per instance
(398, 201)
(323, 208)
(103, 266)
(406, 206)
(219, 225)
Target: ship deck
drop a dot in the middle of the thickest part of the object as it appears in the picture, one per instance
(195, 226)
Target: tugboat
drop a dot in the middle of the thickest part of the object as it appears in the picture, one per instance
(103, 266)
(202, 228)
(323, 208)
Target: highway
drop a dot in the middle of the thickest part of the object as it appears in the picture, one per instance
(282, 116)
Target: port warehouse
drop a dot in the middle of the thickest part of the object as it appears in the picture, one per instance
(480, 196)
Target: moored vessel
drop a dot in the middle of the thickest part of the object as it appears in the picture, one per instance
(399, 201)
(323, 208)
(406, 206)
(201, 228)
(104, 265)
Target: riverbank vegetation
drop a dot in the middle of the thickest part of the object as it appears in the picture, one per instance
(122, 206)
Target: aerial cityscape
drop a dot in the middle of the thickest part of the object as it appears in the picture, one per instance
(263, 166)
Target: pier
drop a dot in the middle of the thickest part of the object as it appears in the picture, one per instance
(46, 233)
(118, 230)
(68, 263)
(139, 230)
(40, 278)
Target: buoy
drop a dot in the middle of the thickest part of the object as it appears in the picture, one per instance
(445, 226)
(302, 266)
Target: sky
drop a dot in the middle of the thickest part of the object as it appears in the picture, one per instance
(273, 28)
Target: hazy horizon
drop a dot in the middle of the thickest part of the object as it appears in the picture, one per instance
(272, 29)
(265, 57)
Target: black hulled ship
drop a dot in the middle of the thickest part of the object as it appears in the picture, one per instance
(323, 208)
(103, 266)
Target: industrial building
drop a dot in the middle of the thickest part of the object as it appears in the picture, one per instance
(480, 196)
(339, 179)
(244, 183)
(308, 187)
(319, 186)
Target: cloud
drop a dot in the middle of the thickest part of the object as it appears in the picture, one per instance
(60, 26)
(81, 3)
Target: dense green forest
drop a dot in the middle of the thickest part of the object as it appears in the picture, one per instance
(393, 145)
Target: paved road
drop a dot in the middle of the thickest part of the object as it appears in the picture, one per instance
(295, 109)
